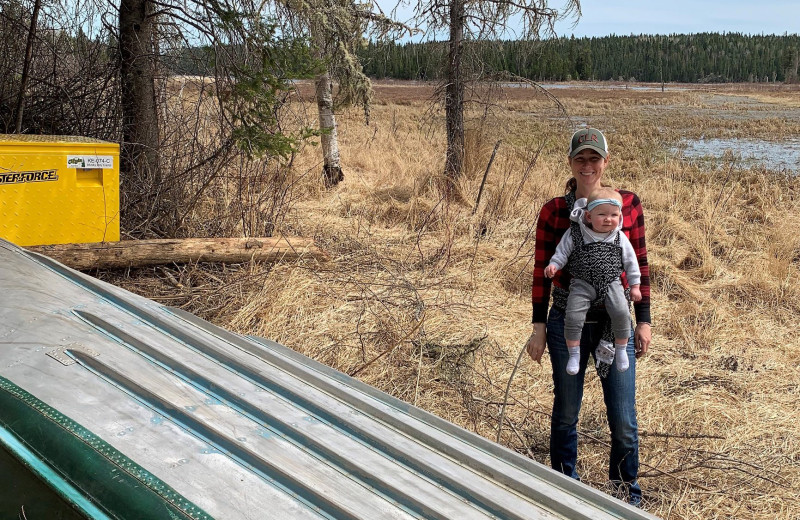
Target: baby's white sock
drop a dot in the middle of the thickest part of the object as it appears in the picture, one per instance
(574, 362)
(621, 357)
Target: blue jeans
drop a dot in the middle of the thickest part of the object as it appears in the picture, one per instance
(619, 393)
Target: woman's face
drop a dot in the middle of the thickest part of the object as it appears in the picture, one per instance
(587, 168)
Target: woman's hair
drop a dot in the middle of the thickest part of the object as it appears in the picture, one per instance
(572, 185)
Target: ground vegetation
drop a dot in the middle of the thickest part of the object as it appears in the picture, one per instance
(429, 300)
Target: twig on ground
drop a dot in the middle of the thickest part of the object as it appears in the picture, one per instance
(680, 436)
(485, 175)
(508, 387)
(390, 349)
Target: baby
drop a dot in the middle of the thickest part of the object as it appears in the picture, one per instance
(596, 252)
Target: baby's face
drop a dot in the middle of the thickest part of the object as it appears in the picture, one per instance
(604, 218)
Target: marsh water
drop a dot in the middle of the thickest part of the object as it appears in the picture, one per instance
(729, 115)
(781, 156)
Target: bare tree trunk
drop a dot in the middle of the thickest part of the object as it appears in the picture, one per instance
(454, 98)
(27, 65)
(139, 112)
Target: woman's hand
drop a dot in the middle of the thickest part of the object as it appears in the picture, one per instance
(636, 293)
(550, 271)
(641, 339)
(537, 342)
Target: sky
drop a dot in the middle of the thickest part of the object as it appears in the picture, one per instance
(624, 17)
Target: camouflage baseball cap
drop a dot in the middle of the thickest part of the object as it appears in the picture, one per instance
(588, 138)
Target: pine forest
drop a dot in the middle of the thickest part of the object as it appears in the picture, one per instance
(703, 58)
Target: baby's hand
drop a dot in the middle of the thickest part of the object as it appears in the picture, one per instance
(636, 294)
(550, 271)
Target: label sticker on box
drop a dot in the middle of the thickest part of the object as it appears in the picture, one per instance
(90, 161)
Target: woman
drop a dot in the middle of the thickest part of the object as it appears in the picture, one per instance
(588, 158)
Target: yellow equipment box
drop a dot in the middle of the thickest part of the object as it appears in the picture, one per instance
(58, 189)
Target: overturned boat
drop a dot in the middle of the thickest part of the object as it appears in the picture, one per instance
(113, 406)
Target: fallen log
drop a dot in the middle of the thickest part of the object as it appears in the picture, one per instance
(141, 253)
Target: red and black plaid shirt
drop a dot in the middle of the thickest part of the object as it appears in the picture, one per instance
(554, 222)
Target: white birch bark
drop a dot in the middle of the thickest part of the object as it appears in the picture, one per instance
(331, 169)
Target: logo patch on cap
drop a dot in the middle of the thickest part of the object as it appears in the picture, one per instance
(588, 138)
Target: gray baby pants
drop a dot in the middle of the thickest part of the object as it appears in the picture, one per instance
(582, 294)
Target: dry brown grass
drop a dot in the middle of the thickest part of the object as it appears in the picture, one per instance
(444, 295)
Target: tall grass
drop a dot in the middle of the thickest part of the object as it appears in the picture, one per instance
(430, 301)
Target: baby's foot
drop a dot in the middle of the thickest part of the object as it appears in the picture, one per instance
(574, 362)
(621, 357)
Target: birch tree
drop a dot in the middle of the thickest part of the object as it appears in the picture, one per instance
(336, 28)
(466, 20)
(331, 161)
